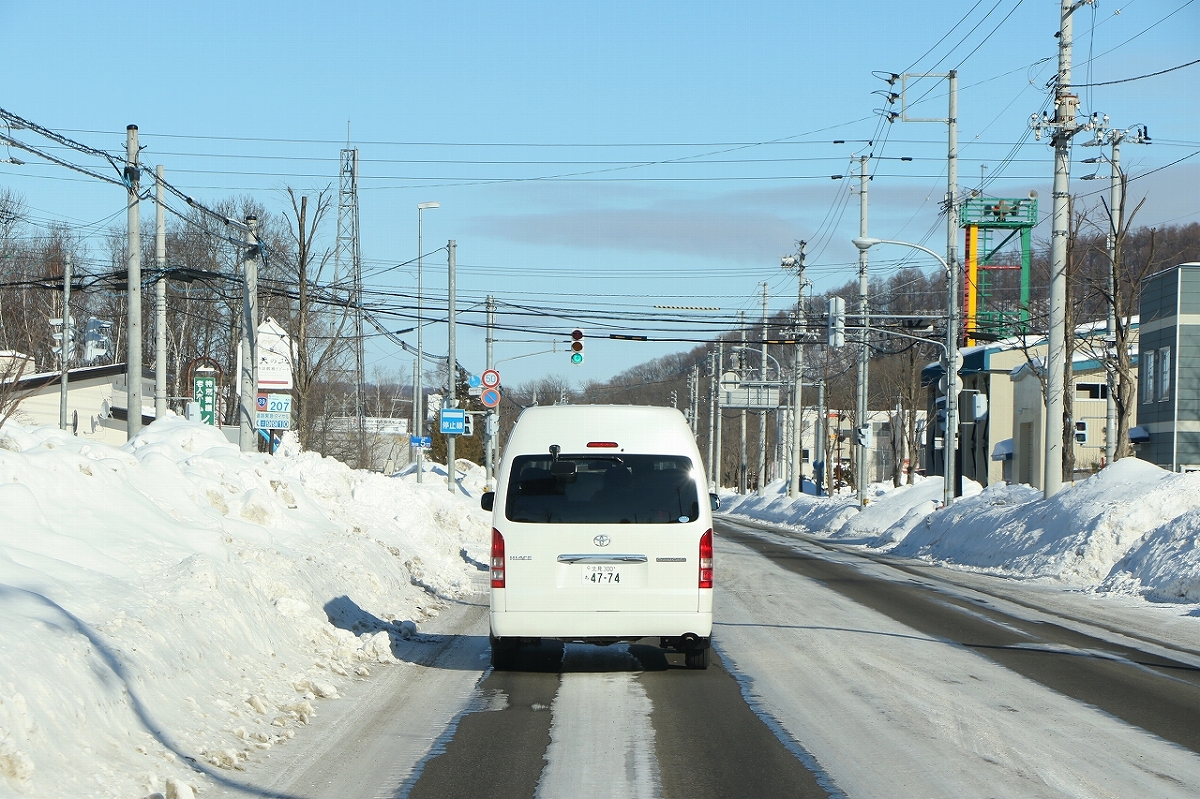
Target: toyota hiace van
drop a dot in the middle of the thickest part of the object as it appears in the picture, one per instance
(602, 532)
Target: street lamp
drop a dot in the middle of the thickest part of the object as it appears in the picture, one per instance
(418, 389)
(951, 348)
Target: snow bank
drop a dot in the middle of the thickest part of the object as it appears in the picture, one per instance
(1132, 527)
(176, 599)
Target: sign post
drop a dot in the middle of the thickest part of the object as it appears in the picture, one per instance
(204, 390)
(274, 412)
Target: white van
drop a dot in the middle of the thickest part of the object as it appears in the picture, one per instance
(602, 532)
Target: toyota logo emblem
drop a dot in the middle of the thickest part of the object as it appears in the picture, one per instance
(601, 540)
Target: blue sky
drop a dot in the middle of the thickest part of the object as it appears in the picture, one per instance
(594, 161)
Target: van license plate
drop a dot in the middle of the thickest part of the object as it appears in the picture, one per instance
(602, 575)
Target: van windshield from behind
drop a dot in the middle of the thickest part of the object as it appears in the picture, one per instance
(602, 489)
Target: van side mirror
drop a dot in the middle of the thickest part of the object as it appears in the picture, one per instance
(487, 500)
(714, 501)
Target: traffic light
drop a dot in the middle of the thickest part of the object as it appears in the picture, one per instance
(576, 346)
(468, 425)
(59, 334)
(1081, 432)
(863, 436)
(837, 322)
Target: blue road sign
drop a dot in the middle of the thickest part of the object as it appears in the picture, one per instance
(474, 381)
(454, 421)
(424, 442)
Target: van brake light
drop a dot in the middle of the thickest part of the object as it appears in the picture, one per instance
(498, 559)
(706, 560)
(602, 445)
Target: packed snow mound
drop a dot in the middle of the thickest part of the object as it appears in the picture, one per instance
(887, 516)
(1165, 565)
(177, 599)
(1132, 527)
(1077, 536)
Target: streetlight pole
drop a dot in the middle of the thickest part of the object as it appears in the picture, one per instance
(418, 388)
(862, 420)
(762, 415)
(796, 487)
(133, 324)
(951, 366)
(451, 365)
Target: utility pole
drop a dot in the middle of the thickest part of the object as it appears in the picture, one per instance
(762, 414)
(796, 486)
(864, 352)
(720, 421)
(1064, 128)
(952, 480)
(694, 399)
(160, 298)
(819, 437)
(743, 483)
(248, 405)
(133, 325)
(1065, 106)
(418, 377)
(489, 419)
(954, 283)
(712, 405)
(68, 329)
(451, 369)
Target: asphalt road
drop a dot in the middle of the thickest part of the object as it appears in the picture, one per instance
(709, 744)
(1138, 684)
(631, 721)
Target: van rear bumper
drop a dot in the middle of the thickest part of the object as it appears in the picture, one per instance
(592, 624)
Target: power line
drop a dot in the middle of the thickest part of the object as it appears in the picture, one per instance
(1139, 77)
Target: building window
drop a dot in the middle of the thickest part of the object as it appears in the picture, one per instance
(1146, 364)
(1094, 391)
(1164, 374)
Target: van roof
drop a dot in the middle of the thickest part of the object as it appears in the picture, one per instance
(633, 428)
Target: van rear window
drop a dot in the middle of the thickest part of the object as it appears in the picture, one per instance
(602, 489)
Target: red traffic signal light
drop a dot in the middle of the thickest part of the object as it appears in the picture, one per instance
(577, 346)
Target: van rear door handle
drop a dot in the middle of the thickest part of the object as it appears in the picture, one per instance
(602, 559)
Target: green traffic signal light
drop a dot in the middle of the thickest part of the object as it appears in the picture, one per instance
(576, 346)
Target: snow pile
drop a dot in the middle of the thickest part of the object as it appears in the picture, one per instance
(175, 606)
(177, 599)
(1132, 527)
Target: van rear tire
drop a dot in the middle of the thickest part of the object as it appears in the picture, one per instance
(696, 659)
(504, 653)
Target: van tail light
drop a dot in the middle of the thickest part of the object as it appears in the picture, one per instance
(706, 560)
(498, 559)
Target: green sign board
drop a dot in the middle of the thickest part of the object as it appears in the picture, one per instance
(205, 392)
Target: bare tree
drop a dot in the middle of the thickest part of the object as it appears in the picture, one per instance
(1121, 290)
(322, 316)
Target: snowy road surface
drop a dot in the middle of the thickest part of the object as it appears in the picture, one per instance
(853, 678)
